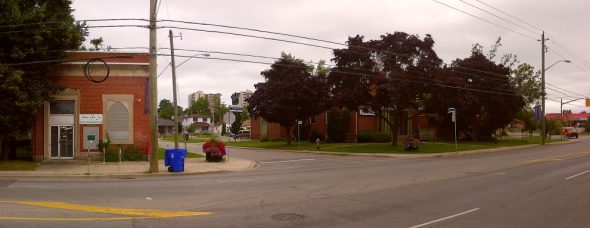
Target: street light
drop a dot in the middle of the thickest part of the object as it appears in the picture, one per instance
(543, 95)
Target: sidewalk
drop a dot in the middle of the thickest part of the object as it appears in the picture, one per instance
(79, 168)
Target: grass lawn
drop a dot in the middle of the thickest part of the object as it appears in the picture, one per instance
(18, 165)
(192, 139)
(427, 147)
(188, 155)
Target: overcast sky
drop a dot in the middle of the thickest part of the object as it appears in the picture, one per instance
(454, 33)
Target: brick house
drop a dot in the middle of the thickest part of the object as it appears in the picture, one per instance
(118, 106)
(359, 122)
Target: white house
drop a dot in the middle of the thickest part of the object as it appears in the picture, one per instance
(203, 123)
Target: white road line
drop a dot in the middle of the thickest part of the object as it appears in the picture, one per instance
(577, 175)
(445, 218)
(284, 161)
(242, 180)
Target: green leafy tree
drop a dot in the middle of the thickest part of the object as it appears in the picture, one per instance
(527, 117)
(200, 107)
(527, 83)
(236, 125)
(32, 31)
(290, 92)
(97, 42)
(235, 98)
(191, 129)
(165, 109)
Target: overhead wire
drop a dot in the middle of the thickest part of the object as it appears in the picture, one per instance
(488, 21)
(501, 18)
(355, 73)
(507, 14)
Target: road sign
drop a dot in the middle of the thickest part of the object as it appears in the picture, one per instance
(236, 108)
(587, 102)
(299, 122)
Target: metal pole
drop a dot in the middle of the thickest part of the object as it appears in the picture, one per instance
(175, 102)
(153, 91)
(456, 148)
(561, 112)
(543, 127)
(298, 138)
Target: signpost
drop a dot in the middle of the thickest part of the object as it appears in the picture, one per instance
(232, 109)
(299, 122)
(454, 119)
(91, 139)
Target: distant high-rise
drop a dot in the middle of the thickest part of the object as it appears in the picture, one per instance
(243, 96)
(212, 98)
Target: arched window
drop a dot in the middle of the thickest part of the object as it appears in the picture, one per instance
(119, 118)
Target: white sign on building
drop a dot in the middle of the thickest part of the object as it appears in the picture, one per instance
(90, 118)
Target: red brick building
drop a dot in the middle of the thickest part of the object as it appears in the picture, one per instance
(359, 122)
(64, 127)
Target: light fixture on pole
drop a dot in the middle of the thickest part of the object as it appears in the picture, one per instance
(543, 93)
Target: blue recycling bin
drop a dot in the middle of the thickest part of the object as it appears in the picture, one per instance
(175, 159)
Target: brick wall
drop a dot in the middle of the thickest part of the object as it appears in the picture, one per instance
(124, 79)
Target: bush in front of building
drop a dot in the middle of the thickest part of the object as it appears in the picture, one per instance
(128, 153)
(378, 137)
(264, 138)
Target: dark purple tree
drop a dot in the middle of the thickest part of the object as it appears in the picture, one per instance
(482, 94)
(290, 93)
(388, 76)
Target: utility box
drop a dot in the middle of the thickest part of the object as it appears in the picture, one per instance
(90, 138)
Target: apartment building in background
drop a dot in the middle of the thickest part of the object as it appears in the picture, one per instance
(243, 96)
(212, 98)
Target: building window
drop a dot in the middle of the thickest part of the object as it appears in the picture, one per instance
(61, 107)
(118, 120)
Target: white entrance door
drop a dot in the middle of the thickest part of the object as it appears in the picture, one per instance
(62, 141)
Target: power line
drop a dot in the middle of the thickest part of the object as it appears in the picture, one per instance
(568, 51)
(569, 91)
(522, 34)
(507, 14)
(501, 18)
(245, 35)
(353, 73)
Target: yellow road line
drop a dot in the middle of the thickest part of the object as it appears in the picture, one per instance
(70, 219)
(135, 213)
(558, 158)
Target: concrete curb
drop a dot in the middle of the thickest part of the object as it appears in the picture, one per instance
(131, 175)
(430, 155)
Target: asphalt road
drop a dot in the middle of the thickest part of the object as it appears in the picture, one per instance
(536, 187)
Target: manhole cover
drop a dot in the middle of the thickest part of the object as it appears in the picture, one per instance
(287, 217)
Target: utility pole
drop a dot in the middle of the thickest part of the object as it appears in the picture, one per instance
(173, 65)
(543, 94)
(153, 91)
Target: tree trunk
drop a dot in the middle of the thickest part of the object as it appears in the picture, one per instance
(4, 148)
(394, 134)
(288, 129)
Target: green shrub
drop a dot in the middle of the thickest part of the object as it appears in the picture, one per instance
(129, 153)
(373, 137)
(132, 153)
(112, 156)
(264, 138)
